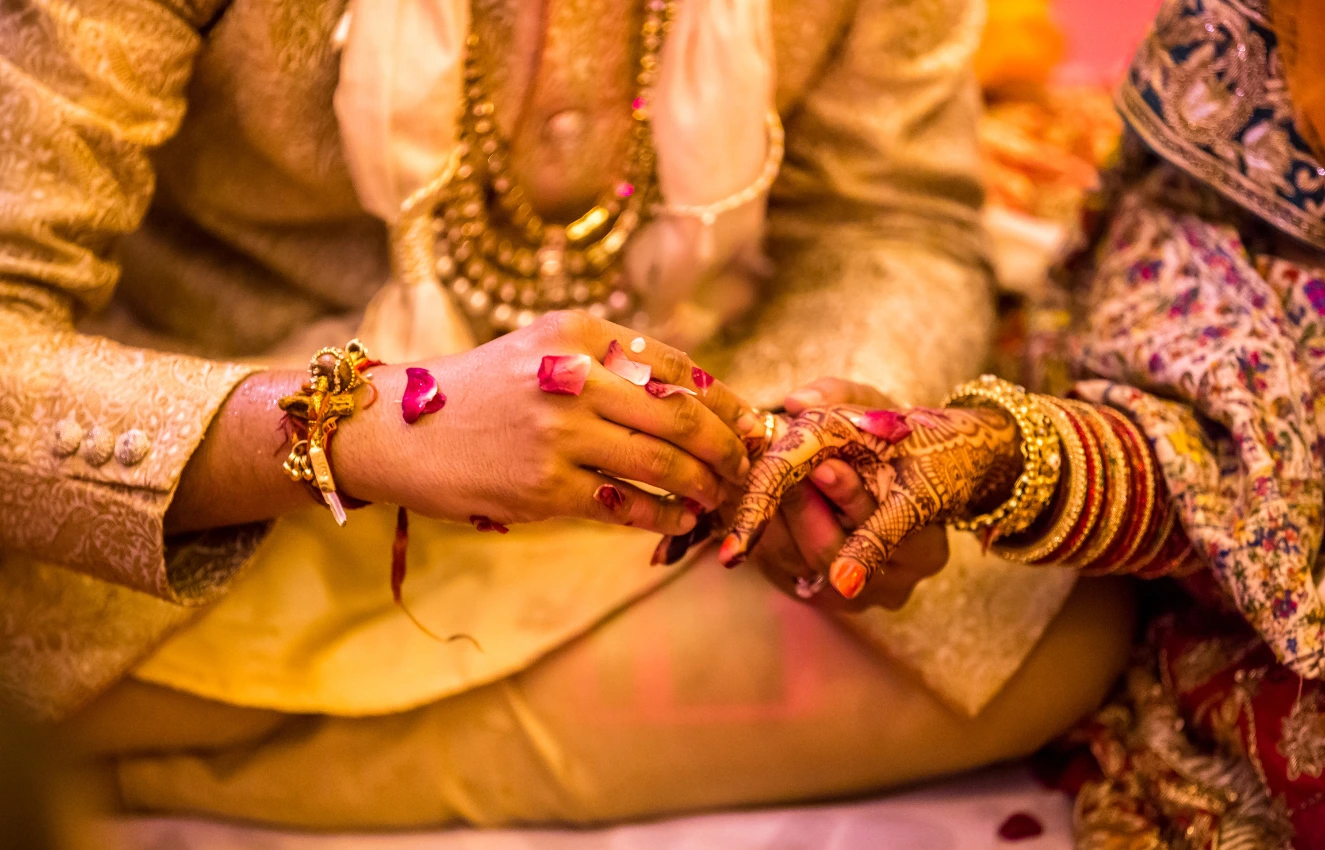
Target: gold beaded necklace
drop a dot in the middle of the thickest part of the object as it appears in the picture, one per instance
(502, 261)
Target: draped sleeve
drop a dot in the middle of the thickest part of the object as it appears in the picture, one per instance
(94, 435)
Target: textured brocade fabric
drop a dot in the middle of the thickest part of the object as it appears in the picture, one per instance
(85, 89)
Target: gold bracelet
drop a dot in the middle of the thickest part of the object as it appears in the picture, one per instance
(1074, 489)
(1040, 453)
(325, 398)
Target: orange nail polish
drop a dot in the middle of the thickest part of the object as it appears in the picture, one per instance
(848, 577)
(730, 553)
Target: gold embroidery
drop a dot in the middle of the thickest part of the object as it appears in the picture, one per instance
(1206, 92)
(1302, 739)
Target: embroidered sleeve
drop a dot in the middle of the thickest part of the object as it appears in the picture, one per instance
(873, 224)
(94, 435)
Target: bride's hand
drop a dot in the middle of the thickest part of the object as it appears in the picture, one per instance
(817, 514)
(921, 466)
(503, 449)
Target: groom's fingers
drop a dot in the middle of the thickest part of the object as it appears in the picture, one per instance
(842, 486)
(828, 391)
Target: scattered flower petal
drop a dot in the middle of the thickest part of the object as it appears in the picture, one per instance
(482, 523)
(618, 363)
(885, 424)
(610, 496)
(564, 374)
(422, 395)
(658, 389)
(637, 344)
(702, 379)
(1019, 827)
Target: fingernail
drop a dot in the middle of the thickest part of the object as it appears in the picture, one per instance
(747, 424)
(809, 398)
(824, 476)
(730, 554)
(609, 496)
(687, 523)
(848, 577)
(744, 469)
(691, 505)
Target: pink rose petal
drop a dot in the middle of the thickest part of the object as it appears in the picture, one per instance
(564, 374)
(422, 396)
(702, 379)
(885, 424)
(610, 496)
(658, 389)
(618, 363)
(482, 523)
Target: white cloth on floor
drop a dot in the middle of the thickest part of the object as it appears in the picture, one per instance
(960, 814)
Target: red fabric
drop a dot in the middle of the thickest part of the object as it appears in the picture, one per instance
(1231, 691)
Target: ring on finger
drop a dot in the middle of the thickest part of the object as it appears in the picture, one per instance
(766, 439)
(809, 587)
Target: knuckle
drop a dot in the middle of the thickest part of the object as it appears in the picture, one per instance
(685, 418)
(674, 364)
(664, 462)
(566, 324)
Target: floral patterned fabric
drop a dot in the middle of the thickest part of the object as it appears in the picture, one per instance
(1216, 354)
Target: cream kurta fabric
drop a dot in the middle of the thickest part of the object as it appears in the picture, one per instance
(255, 233)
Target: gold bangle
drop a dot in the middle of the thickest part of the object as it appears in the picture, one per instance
(1040, 452)
(1067, 507)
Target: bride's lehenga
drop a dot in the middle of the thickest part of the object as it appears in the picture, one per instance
(294, 691)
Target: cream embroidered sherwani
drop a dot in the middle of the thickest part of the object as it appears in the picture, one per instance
(171, 175)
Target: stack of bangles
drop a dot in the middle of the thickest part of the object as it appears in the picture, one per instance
(1110, 511)
(312, 414)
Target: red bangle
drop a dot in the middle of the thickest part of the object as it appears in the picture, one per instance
(1144, 519)
(1116, 491)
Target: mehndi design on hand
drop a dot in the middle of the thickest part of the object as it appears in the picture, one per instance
(951, 461)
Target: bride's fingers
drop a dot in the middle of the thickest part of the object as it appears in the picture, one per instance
(806, 444)
(869, 547)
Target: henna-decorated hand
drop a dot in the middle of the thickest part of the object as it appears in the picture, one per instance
(817, 514)
(921, 466)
